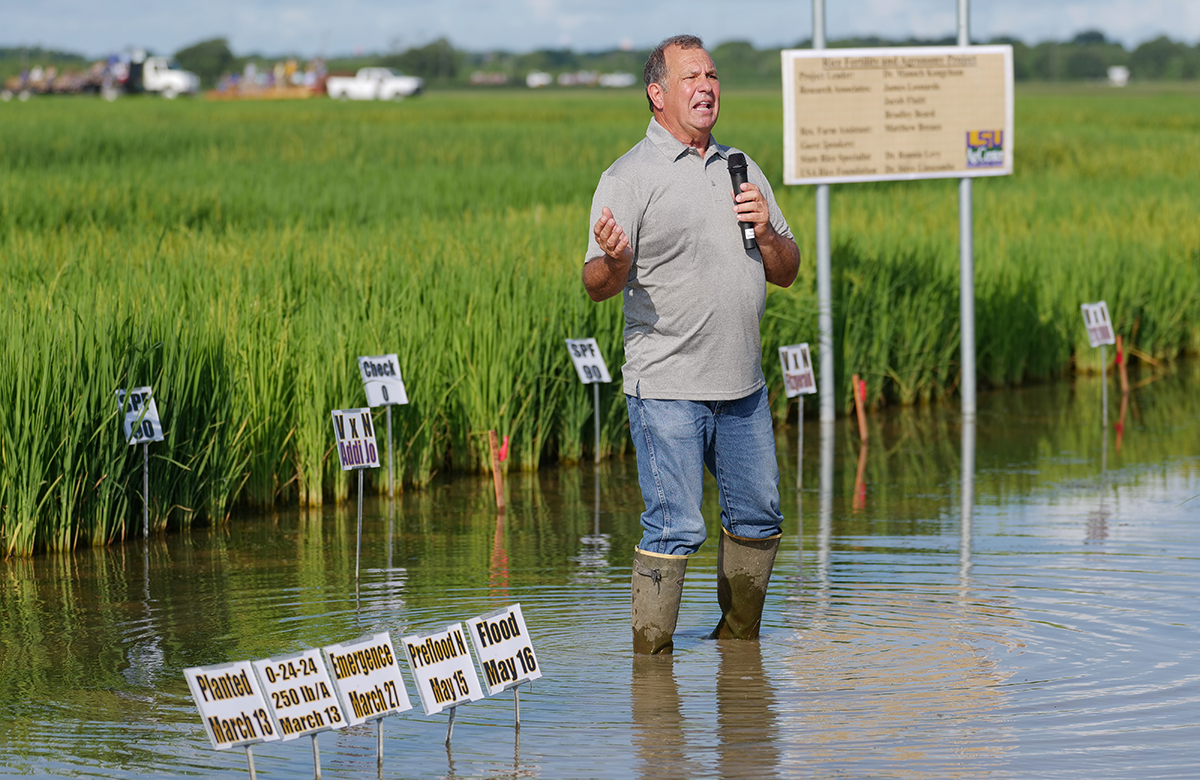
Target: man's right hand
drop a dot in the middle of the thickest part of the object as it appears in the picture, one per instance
(605, 276)
(612, 238)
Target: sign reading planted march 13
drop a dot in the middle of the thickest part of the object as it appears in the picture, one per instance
(355, 439)
(141, 415)
(504, 650)
(1098, 323)
(797, 370)
(382, 381)
(589, 363)
(441, 664)
(367, 678)
(231, 704)
(299, 692)
(854, 115)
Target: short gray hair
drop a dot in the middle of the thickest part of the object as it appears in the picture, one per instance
(655, 71)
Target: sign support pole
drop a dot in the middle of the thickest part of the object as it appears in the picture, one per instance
(391, 477)
(800, 444)
(596, 414)
(1104, 387)
(358, 541)
(379, 745)
(316, 758)
(250, 763)
(824, 262)
(146, 490)
(450, 726)
(966, 263)
(516, 710)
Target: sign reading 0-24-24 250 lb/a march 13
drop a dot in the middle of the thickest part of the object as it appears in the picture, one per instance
(856, 115)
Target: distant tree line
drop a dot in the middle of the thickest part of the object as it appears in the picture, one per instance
(1086, 56)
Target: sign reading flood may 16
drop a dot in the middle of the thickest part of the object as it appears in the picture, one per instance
(855, 115)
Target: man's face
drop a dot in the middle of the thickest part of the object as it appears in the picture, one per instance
(693, 96)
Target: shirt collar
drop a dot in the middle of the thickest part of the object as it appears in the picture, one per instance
(675, 149)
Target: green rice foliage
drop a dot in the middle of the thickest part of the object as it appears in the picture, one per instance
(239, 257)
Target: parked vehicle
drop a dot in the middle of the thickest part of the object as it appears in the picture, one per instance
(374, 84)
(167, 79)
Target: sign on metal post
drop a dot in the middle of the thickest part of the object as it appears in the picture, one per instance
(1098, 323)
(503, 648)
(355, 432)
(442, 668)
(592, 370)
(299, 694)
(384, 387)
(892, 114)
(231, 704)
(367, 678)
(797, 370)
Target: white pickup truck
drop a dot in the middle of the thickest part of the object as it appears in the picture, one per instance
(167, 79)
(374, 84)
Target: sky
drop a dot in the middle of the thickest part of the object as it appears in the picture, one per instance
(310, 27)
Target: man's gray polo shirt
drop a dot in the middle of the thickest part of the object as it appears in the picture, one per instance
(695, 296)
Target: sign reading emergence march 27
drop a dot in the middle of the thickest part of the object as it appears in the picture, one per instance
(854, 115)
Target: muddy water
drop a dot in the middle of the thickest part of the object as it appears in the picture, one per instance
(1014, 600)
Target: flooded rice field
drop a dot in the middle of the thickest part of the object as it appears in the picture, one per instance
(1019, 598)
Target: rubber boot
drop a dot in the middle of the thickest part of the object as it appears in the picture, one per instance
(743, 571)
(657, 588)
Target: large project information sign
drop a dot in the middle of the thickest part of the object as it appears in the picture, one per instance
(855, 115)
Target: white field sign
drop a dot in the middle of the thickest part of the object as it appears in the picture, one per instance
(367, 678)
(504, 649)
(589, 363)
(141, 415)
(300, 694)
(442, 666)
(797, 370)
(231, 704)
(894, 114)
(355, 432)
(1098, 323)
(382, 381)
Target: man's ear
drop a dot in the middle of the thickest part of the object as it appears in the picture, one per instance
(655, 93)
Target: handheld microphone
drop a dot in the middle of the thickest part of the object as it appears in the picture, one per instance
(737, 174)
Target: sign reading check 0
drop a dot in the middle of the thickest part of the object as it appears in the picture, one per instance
(857, 115)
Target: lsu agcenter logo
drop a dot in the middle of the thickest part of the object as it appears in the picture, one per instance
(985, 148)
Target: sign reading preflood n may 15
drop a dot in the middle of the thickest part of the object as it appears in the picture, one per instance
(856, 115)
(382, 381)
(355, 434)
(231, 704)
(441, 664)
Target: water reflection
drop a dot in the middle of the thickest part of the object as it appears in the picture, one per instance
(659, 738)
(957, 623)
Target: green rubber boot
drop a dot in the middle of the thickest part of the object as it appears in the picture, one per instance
(657, 588)
(743, 571)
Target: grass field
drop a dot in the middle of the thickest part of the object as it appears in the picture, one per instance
(239, 257)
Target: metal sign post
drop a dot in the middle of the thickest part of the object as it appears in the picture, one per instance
(797, 382)
(824, 260)
(354, 430)
(966, 259)
(384, 387)
(592, 370)
(142, 425)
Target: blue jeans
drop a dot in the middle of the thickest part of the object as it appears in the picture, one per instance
(675, 440)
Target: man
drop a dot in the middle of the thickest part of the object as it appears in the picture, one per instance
(665, 236)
